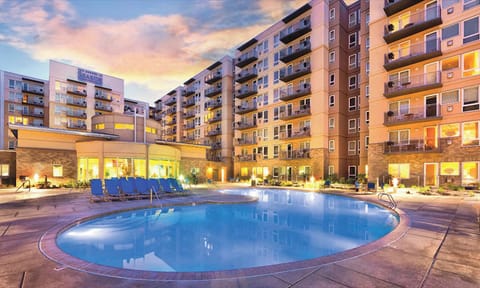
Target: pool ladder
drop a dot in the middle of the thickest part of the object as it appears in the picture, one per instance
(389, 199)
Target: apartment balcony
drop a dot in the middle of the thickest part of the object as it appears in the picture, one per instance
(293, 52)
(291, 33)
(246, 91)
(214, 119)
(246, 158)
(288, 115)
(244, 125)
(189, 114)
(34, 102)
(38, 114)
(216, 145)
(246, 75)
(394, 6)
(171, 122)
(412, 54)
(189, 91)
(246, 58)
(287, 135)
(170, 101)
(189, 126)
(214, 104)
(76, 91)
(213, 132)
(288, 93)
(77, 126)
(76, 102)
(294, 154)
(103, 96)
(417, 22)
(213, 77)
(33, 90)
(244, 109)
(107, 108)
(412, 146)
(189, 103)
(171, 111)
(414, 115)
(288, 74)
(414, 84)
(245, 141)
(77, 114)
(214, 158)
(213, 91)
(170, 132)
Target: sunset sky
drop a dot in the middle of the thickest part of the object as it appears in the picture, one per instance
(154, 45)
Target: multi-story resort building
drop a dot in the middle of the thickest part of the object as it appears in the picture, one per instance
(301, 101)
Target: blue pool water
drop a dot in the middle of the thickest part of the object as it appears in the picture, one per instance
(283, 226)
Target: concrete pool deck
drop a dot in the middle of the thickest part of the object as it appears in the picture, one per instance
(440, 247)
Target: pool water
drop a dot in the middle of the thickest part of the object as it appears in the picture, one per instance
(283, 226)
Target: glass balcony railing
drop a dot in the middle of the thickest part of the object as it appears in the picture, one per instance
(413, 84)
(411, 54)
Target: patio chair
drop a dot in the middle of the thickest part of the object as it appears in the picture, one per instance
(176, 185)
(165, 185)
(142, 187)
(96, 190)
(113, 189)
(127, 188)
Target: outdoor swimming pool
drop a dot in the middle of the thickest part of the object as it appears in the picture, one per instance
(283, 226)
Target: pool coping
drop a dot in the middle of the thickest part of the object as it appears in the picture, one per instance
(48, 247)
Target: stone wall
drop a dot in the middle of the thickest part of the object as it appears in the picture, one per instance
(8, 157)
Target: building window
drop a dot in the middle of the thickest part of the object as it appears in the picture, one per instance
(276, 40)
(352, 125)
(367, 18)
(265, 99)
(471, 63)
(275, 132)
(470, 30)
(331, 145)
(331, 56)
(367, 68)
(450, 31)
(352, 40)
(99, 126)
(11, 145)
(276, 95)
(367, 117)
(450, 97)
(367, 43)
(352, 103)
(401, 137)
(470, 99)
(57, 170)
(399, 170)
(331, 35)
(276, 58)
(332, 14)
(469, 172)
(352, 171)
(332, 79)
(367, 91)
(352, 147)
(352, 61)
(123, 126)
(470, 133)
(450, 168)
(4, 170)
(367, 141)
(275, 77)
(331, 122)
(447, 3)
(275, 151)
(331, 170)
(450, 63)
(450, 130)
(468, 4)
(331, 100)
(352, 19)
(352, 82)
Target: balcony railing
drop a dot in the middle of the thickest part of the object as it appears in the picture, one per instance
(103, 96)
(293, 52)
(291, 92)
(393, 6)
(305, 132)
(212, 91)
(417, 22)
(214, 119)
(246, 75)
(189, 126)
(295, 154)
(245, 92)
(190, 102)
(243, 125)
(103, 107)
(416, 83)
(288, 115)
(171, 111)
(214, 158)
(77, 114)
(246, 58)
(290, 73)
(246, 141)
(33, 90)
(79, 126)
(246, 158)
(412, 146)
(214, 132)
(246, 108)
(189, 114)
(213, 77)
(216, 145)
(412, 54)
(171, 122)
(298, 29)
(76, 91)
(38, 114)
(34, 102)
(76, 102)
(418, 114)
(210, 105)
(189, 91)
(170, 132)
(170, 101)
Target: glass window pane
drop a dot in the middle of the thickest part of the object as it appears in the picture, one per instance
(450, 168)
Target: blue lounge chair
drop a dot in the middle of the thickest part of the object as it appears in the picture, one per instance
(155, 186)
(127, 188)
(165, 185)
(142, 187)
(176, 185)
(96, 189)
(113, 189)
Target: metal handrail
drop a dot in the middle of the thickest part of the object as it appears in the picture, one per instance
(391, 202)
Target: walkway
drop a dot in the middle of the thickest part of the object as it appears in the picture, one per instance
(441, 248)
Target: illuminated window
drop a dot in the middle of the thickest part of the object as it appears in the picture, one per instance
(331, 170)
(5, 169)
(470, 133)
(87, 168)
(100, 126)
(469, 172)
(450, 168)
(450, 63)
(57, 170)
(125, 126)
(140, 168)
(11, 119)
(450, 130)
(471, 64)
(399, 170)
(244, 171)
(331, 145)
(151, 130)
